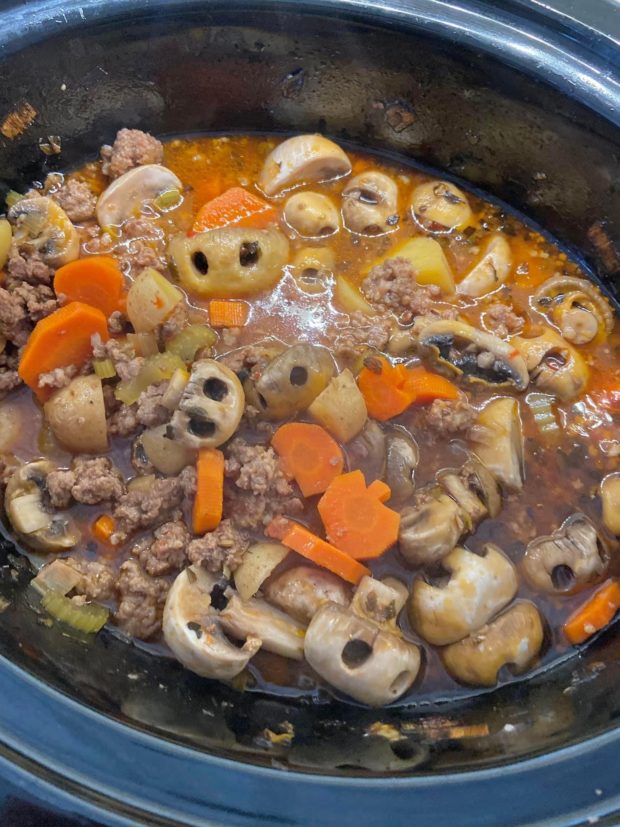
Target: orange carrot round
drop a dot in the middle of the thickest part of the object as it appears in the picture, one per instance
(96, 281)
(209, 500)
(383, 387)
(61, 339)
(355, 518)
(427, 386)
(309, 455)
(595, 613)
(304, 542)
(235, 206)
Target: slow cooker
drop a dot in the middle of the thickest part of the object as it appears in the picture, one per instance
(519, 99)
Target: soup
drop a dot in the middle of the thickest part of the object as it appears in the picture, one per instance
(306, 419)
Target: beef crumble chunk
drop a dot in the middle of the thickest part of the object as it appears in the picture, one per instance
(141, 601)
(362, 333)
(502, 320)
(143, 246)
(27, 266)
(90, 480)
(14, 324)
(450, 416)
(221, 548)
(147, 508)
(122, 355)
(165, 552)
(258, 489)
(131, 148)
(58, 377)
(97, 582)
(251, 358)
(150, 411)
(76, 199)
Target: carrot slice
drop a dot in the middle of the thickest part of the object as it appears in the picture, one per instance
(235, 206)
(61, 339)
(309, 455)
(595, 613)
(96, 281)
(304, 542)
(209, 500)
(228, 313)
(355, 518)
(427, 386)
(103, 528)
(383, 387)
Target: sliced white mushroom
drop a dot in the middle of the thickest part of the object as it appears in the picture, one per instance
(370, 204)
(479, 585)
(41, 226)
(497, 439)
(277, 632)
(302, 159)
(554, 365)
(302, 590)
(311, 214)
(126, 195)
(491, 270)
(610, 498)
(192, 629)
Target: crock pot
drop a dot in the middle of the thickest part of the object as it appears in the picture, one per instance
(520, 100)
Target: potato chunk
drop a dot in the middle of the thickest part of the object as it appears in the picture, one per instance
(340, 407)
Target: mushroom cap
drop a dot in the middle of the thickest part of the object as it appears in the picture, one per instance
(491, 270)
(610, 499)
(41, 226)
(311, 214)
(474, 354)
(403, 456)
(576, 305)
(370, 203)
(126, 195)
(474, 488)
(256, 619)
(440, 206)
(569, 559)
(355, 656)
(302, 590)
(431, 527)
(478, 587)
(192, 629)
(302, 159)
(513, 639)
(211, 407)
(554, 365)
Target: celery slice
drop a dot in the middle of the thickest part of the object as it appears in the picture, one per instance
(88, 617)
(187, 342)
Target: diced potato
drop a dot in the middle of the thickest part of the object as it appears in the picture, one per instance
(257, 564)
(429, 261)
(150, 300)
(350, 299)
(340, 407)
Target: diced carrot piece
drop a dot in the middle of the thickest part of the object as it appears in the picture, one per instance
(209, 500)
(103, 528)
(595, 613)
(228, 313)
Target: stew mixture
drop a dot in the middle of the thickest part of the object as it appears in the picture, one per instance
(304, 419)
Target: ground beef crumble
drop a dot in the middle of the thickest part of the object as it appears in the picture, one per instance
(258, 490)
(252, 359)
(90, 480)
(164, 553)
(131, 148)
(150, 411)
(76, 199)
(362, 333)
(221, 548)
(98, 581)
(502, 320)
(58, 378)
(143, 245)
(450, 416)
(122, 355)
(141, 601)
(26, 266)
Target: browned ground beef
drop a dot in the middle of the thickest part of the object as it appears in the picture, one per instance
(123, 421)
(14, 325)
(165, 551)
(118, 323)
(223, 547)
(58, 378)
(98, 581)
(76, 199)
(176, 321)
(392, 287)
(122, 355)
(27, 266)
(257, 489)
(502, 320)
(251, 358)
(9, 379)
(450, 416)
(37, 299)
(361, 333)
(90, 480)
(143, 246)
(141, 601)
(150, 411)
(140, 508)
(131, 148)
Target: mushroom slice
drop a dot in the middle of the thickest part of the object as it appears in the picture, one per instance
(431, 527)
(577, 307)
(610, 498)
(513, 639)
(41, 226)
(479, 585)
(358, 658)
(491, 271)
(554, 366)
(474, 488)
(24, 503)
(439, 206)
(368, 451)
(292, 381)
(192, 629)
(302, 590)
(571, 558)
(300, 160)
(473, 354)
(126, 195)
(403, 456)
(255, 618)
(381, 602)
(229, 261)
(211, 406)
(311, 214)
(498, 441)
(370, 204)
